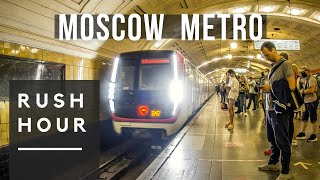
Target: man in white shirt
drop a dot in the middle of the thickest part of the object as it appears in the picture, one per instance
(233, 87)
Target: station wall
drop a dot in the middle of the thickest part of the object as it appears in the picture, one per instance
(76, 68)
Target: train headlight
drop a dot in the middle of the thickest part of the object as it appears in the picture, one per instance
(111, 103)
(176, 91)
(176, 94)
(112, 84)
(111, 96)
(111, 91)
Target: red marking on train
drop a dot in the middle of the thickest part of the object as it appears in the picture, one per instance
(143, 110)
(154, 61)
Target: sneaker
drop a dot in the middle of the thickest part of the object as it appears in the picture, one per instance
(254, 109)
(284, 176)
(267, 152)
(230, 127)
(301, 135)
(269, 167)
(241, 113)
(312, 138)
(237, 112)
(294, 142)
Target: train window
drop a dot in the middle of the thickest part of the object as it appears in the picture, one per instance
(126, 75)
(155, 77)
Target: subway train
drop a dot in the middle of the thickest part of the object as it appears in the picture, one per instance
(155, 91)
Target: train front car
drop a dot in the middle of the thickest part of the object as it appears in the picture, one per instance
(146, 92)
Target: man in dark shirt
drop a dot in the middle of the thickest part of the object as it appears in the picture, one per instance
(278, 123)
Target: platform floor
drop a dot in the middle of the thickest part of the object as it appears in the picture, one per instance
(204, 149)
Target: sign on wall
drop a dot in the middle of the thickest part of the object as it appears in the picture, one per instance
(288, 45)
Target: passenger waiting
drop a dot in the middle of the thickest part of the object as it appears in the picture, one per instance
(223, 93)
(243, 91)
(262, 95)
(298, 114)
(253, 93)
(293, 132)
(282, 82)
(310, 87)
(233, 87)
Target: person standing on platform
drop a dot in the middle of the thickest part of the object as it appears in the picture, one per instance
(223, 92)
(243, 90)
(252, 84)
(233, 87)
(262, 95)
(310, 87)
(281, 83)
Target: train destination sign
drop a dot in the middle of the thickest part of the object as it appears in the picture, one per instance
(288, 45)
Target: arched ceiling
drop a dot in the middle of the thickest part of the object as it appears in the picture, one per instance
(31, 22)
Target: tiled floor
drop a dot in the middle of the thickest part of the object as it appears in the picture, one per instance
(206, 150)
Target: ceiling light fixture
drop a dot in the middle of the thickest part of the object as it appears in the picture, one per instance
(295, 11)
(267, 9)
(240, 10)
(259, 56)
(158, 43)
(229, 56)
(233, 45)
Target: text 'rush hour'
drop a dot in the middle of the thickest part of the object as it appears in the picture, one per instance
(44, 124)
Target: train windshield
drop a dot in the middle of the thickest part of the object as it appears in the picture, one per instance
(127, 75)
(144, 74)
(155, 76)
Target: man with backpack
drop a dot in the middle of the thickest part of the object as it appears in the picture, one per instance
(253, 93)
(309, 91)
(282, 83)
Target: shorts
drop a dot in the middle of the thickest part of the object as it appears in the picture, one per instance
(311, 111)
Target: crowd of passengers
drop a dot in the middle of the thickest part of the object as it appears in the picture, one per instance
(286, 92)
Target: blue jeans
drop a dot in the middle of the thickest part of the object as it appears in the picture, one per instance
(223, 96)
(242, 103)
(252, 98)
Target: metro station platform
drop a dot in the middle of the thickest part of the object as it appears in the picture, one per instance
(204, 149)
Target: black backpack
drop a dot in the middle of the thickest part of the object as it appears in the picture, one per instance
(256, 89)
(297, 99)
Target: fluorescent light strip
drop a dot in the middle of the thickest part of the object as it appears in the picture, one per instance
(49, 149)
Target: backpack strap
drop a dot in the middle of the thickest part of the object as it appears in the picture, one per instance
(274, 69)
